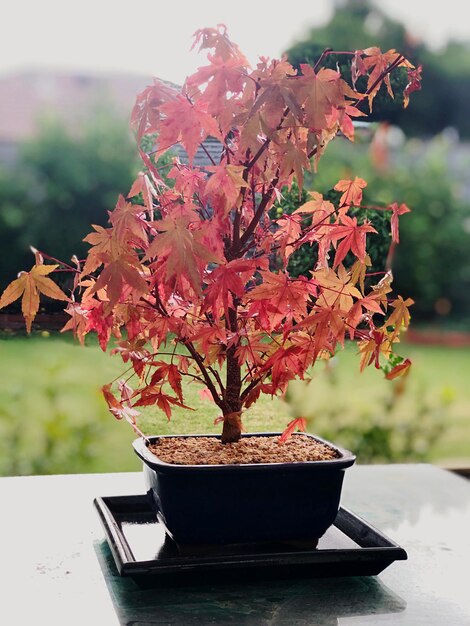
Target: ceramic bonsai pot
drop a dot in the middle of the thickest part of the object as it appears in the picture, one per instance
(233, 504)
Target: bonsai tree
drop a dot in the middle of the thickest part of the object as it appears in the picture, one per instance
(191, 275)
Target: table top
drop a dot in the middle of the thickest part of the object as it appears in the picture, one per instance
(56, 567)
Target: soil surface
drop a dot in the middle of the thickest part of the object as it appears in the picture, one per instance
(210, 451)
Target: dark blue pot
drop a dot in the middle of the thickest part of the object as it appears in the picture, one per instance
(225, 504)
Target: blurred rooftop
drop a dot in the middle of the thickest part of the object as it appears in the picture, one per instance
(29, 96)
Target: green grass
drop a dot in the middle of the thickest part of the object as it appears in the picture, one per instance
(53, 419)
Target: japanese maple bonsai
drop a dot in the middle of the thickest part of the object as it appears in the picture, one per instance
(193, 267)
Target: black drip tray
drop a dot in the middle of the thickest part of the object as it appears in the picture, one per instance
(142, 549)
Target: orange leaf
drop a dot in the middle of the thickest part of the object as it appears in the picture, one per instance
(128, 222)
(299, 423)
(399, 370)
(288, 233)
(321, 92)
(106, 245)
(120, 272)
(224, 185)
(414, 84)
(30, 302)
(113, 403)
(146, 112)
(279, 297)
(13, 291)
(29, 285)
(225, 282)
(284, 365)
(377, 62)
(352, 191)
(181, 249)
(154, 395)
(121, 409)
(186, 122)
(322, 209)
(174, 378)
(396, 212)
(336, 289)
(400, 318)
(217, 39)
(371, 349)
(221, 77)
(78, 322)
(353, 238)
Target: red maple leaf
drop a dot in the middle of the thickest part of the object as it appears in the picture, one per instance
(414, 83)
(396, 212)
(284, 365)
(377, 63)
(225, 282)
(352, 191)
(187, 180)
(353, 238)
(145, 115)
(400, 318)
(28, 287)
(125, 270)
(288, 233)
(279, 297)
(135, 351)
(224, 185)
(401, 369)
(100, 321)
(153, 395)
(181, 250)
(358, 67)
(327, 327)
(128, 222)
(299, 423)
(120, 409)
(342, 116)
(293, 159)
(168, 373)
(146, 187)
(221, 76)
(378, 343)
(218, 40)
(210, 340)
(185, 122)
(321, 92)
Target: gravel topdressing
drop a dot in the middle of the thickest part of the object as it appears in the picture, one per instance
(210, 451)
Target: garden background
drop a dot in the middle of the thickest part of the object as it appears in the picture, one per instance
(65, 150)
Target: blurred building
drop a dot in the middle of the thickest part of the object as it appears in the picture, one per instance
(27, 97)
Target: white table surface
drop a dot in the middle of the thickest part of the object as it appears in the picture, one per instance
(56, 567)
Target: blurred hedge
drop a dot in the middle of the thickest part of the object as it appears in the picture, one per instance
(61, 182)
(431, 264)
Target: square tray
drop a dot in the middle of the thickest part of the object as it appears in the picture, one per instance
(142, 549)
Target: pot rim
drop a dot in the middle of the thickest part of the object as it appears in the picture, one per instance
(141, 448)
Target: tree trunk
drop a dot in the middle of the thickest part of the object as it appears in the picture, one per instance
(232, 428)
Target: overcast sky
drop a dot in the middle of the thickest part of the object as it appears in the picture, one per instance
(152, 37)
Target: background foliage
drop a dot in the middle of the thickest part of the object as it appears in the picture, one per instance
(62, 183)
(53, 418)
(431, 264)
(446, 79)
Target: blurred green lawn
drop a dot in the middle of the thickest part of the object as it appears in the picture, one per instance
(53, 419)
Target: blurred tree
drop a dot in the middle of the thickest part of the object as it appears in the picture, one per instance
(431, 263)
(63, 183)
(446, 75)
(304, 259)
